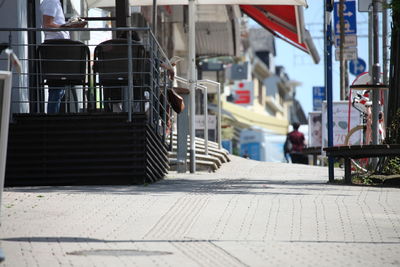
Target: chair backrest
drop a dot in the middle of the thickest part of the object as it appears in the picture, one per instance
(111, 61)
(63, 61)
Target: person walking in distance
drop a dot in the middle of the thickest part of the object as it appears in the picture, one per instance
(53, 18)
(297, 141)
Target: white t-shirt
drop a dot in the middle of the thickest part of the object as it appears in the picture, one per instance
(53, 9)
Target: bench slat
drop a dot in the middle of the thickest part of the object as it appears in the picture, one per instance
(365, 151)
(361, 151)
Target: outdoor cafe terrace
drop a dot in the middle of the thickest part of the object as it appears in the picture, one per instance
(113, 123)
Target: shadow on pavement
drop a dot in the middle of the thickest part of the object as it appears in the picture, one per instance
(44, 239)
(194, 186)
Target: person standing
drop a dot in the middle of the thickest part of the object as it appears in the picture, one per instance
(53, 18)
(297, 141)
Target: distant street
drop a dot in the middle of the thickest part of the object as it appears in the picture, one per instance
(248, 213)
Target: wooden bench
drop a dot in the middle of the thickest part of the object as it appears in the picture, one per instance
(363, 151)
(314, 151)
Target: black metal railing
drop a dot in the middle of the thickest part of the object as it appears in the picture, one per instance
(124, 74)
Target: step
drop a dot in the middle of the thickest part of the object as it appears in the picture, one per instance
(220, 156)
(202, 157)
(201, 165)
(200, 148)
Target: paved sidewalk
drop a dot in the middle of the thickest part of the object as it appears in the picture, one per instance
(248, 213)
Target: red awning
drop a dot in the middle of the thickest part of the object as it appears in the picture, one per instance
(285, 22)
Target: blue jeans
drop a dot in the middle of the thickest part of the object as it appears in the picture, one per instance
(54, 103)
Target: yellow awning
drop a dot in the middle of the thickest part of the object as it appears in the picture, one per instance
(250, 118)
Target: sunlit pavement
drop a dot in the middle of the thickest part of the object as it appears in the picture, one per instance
(248, 213)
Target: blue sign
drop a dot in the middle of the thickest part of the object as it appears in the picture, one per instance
(357, 66)
(318, 97)
(349, 16)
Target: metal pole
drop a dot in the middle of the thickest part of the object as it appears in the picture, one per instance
(371, 60)
(375, 73)
(192, 83)
(205, 103)
(370, 52)
(370, 44)
(164, 108)
(328, 81)
(154, 18)
(9, 64)
(130, 77)
(219, 108)
(346, 80)
(122, 14)
(152, 72)
(341, 52)
(385, 54)
(157, 89)
(219, 117)
(5, 107)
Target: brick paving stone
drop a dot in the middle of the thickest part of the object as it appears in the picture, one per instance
(248, 213)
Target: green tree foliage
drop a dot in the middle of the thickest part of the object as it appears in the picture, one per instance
(394, 79)
(393, 130)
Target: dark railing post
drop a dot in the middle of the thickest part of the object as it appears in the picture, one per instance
(122, 13)
(152, 87)
(164, 107)
(130, 77)
(157, 93)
